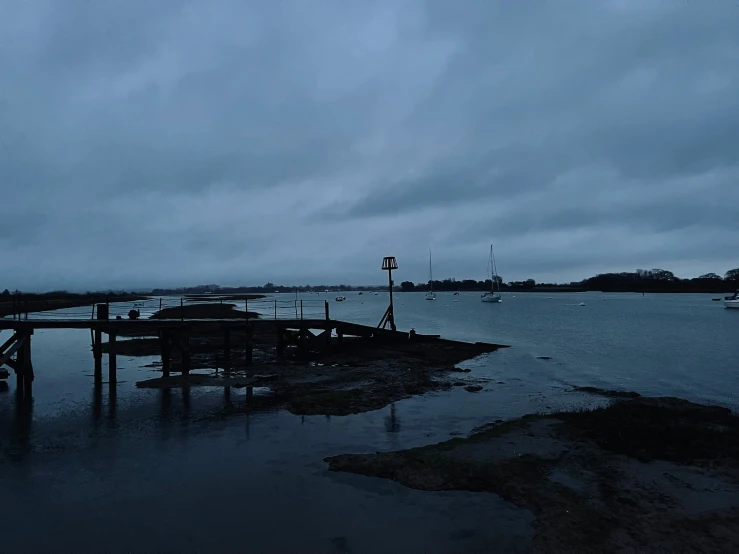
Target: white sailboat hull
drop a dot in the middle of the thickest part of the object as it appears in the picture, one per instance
(731, 303)
(430, 296)
(487, 297)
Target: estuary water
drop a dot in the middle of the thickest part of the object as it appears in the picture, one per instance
(127, 470)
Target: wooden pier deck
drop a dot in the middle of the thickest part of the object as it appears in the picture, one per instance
(309, 335)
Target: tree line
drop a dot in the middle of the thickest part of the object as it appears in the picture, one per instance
(641, 280)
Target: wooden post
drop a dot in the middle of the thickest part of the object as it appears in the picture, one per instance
(97, 353)
(20, 363)
(248, 349)
(221, 308)
(166, 345)
(185, 350)
(280, 342)
(19, 375)
(326, 302)
(227, 345)
(275, 308)
(301, 309)
(112, 366)
(27, 368)
(182, 309)
(160, 303)
(97, 346)
(329, 329)
(391, 312)
(249, 352)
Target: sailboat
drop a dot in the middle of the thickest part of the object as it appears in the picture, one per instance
(492, 296)
(430, 294)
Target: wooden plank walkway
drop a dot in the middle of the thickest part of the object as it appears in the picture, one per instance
(143, 324)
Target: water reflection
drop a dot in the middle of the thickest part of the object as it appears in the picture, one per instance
(112, 409)
(97, 402)
(392, 422)
(18, 420)
(112, 402)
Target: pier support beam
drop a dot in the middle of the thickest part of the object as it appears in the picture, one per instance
(20, 345)
(227, 346)
(112, 365)
(185, 352)
(165, 342)
(97, 354)
(280, 341)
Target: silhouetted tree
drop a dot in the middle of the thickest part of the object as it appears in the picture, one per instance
(709, 276)
(662, 275)
(407, 286)
(732, 275)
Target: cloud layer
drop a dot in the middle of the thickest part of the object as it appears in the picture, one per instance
(179, 142)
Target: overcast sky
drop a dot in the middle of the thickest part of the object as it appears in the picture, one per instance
(167, 142)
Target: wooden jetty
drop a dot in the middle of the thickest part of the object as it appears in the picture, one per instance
(307, 335)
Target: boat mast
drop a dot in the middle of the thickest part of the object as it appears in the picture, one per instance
(495, 271)
(431, 275)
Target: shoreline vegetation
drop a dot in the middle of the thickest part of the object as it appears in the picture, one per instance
(639, 475)
(641, 280)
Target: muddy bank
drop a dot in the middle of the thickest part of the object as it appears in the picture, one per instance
(641, 475)
(215, 310)
(234, 296)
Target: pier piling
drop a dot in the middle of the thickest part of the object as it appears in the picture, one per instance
(112, 365)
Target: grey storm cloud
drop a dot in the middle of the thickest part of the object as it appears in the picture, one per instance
(179, 142)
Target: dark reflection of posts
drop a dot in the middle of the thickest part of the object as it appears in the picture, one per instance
(97, 401)
(392, 423)
(165, 407)
(112, 401)
(249, 396)
(22, 427)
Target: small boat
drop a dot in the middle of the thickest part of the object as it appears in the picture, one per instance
(340, 298)
(456, 294)
(581, 304)
(732, 301)
(360, 293)
(430, 294)
(492, 296)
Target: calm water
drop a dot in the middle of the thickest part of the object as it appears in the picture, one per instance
(146, 471)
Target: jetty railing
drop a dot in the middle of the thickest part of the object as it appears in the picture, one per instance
(230, 308)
